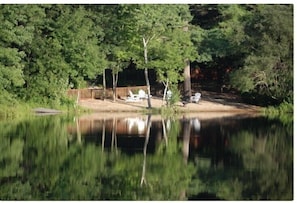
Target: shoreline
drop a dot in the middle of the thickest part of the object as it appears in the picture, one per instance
(205, 109)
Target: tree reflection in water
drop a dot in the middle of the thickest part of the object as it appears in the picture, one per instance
(147, 137)
(54, 158)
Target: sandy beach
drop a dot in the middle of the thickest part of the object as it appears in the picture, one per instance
(208, 107)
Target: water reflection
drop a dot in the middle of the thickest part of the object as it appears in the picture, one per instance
(124, 126)
(130, 134)
(146, 157)
(135, 125)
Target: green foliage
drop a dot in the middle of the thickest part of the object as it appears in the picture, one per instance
(65, 53)
(168, 54)
(169, 44)
(15, 34)
(220, 33)
(80, 36)
(256, 41)
(175, 95)
(284, 112)
(232, 26)
(47, 49)
(268, 67)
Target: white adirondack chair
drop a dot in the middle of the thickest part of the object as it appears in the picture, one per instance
(196, 97)
(133, 97)
(142, 94)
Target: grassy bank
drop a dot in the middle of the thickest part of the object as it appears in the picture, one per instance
(15, 110)
(19, 109)
(283, 112)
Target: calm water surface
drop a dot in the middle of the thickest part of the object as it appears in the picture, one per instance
(146, 158)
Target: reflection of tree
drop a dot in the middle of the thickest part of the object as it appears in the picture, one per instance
(147, 136)
(171, 130)
(11, 157)
(136, 125)
(80, 175)
(57, 171)
(45, 150)
(164, 129)
(35, 171)
(37, 163)
(258, 165)
(114, 134)
(268, 158)
(165, 175)
(103, 135)
(186, 138)
(54, 169)
(78, 133)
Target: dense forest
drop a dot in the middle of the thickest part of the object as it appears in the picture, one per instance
(47, 49)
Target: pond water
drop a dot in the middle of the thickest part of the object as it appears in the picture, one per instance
(144, 157)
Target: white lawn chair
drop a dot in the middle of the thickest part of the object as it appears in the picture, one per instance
(195, 98)
(142, 94)
(168, 95)
(133, 97)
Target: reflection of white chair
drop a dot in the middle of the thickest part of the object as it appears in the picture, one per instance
(136, 124)
(196, 97)
(196, 124)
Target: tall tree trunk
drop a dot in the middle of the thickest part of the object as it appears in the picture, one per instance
(165, 90)
(104, 84)
(114, 84)
(187, 75)
(77, 96)
(146, 74)
(187, 82)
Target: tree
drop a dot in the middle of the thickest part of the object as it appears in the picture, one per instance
(247, 39)
(82, 37)
(16, 33)
(116, 22)
(213, 47)
(268, 67)
(63, 54)
(164, 47)
(170, 52)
